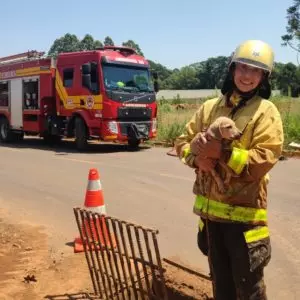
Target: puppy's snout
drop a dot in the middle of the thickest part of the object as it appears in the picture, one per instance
(238, 135)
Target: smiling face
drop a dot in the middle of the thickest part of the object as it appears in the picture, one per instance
(247, 78)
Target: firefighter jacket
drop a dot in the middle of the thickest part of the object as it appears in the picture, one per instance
(251, 158)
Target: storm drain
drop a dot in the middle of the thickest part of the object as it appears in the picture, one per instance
(123, 258)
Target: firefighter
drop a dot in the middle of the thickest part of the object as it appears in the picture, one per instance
(233, 228)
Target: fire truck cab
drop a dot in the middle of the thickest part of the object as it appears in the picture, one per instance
(106, 94)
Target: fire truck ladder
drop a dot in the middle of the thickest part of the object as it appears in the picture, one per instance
(25, 56)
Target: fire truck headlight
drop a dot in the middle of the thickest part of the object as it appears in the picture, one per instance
(154, 125)
(113, 127)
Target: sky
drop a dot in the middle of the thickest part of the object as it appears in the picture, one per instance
(172, 33)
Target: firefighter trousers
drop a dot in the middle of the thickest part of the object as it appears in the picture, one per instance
(236, 265)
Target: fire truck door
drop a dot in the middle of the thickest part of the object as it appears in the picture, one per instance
(16, 103)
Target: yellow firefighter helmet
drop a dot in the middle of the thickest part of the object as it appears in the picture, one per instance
(255, 53)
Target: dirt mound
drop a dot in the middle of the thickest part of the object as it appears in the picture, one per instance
(182, 285)
(30, 270)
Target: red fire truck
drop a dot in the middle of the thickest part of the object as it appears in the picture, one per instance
(106, 94)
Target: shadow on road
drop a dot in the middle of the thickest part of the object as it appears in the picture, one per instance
(172, 295)
(77, 296)
(65, 147)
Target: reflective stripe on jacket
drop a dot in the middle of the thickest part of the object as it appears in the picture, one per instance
(251, 158)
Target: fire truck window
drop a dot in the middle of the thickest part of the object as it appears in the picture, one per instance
(31, 94)
(68, 77)
(4, 94)
(94, 77)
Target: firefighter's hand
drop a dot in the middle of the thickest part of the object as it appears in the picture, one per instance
(197, 143)
(205, 164)
(206, 146)
(211, 149)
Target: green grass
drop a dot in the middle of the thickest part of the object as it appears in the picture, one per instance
(171, 122)
(290, 112)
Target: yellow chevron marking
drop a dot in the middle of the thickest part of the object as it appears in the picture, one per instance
(60, 88)
(71, 102)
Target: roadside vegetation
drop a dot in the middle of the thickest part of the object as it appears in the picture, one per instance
(173, 114)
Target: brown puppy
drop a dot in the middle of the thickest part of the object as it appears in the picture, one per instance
(225, 130)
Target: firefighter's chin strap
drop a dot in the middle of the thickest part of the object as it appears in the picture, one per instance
(243, 98)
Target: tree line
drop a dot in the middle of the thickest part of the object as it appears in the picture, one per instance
(207, 74)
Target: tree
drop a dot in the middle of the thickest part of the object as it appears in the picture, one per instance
(67, 43)
(161, 70)
(288, 77)
(184, 79)
(97, 44)
(108, 41)
(70, 43)
(211, 73)
(292, 37)
(88, 43)
(132, 44)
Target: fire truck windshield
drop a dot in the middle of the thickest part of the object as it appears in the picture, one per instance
(126, 78)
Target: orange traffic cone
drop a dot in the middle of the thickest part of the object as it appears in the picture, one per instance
(94, 201)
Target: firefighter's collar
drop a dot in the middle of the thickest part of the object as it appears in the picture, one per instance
(234, 100)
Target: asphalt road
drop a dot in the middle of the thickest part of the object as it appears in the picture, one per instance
(41, 185)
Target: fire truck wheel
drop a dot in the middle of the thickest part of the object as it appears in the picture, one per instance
(80, 134)
(6, 135)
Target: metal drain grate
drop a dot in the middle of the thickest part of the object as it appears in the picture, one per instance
(123, 258)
